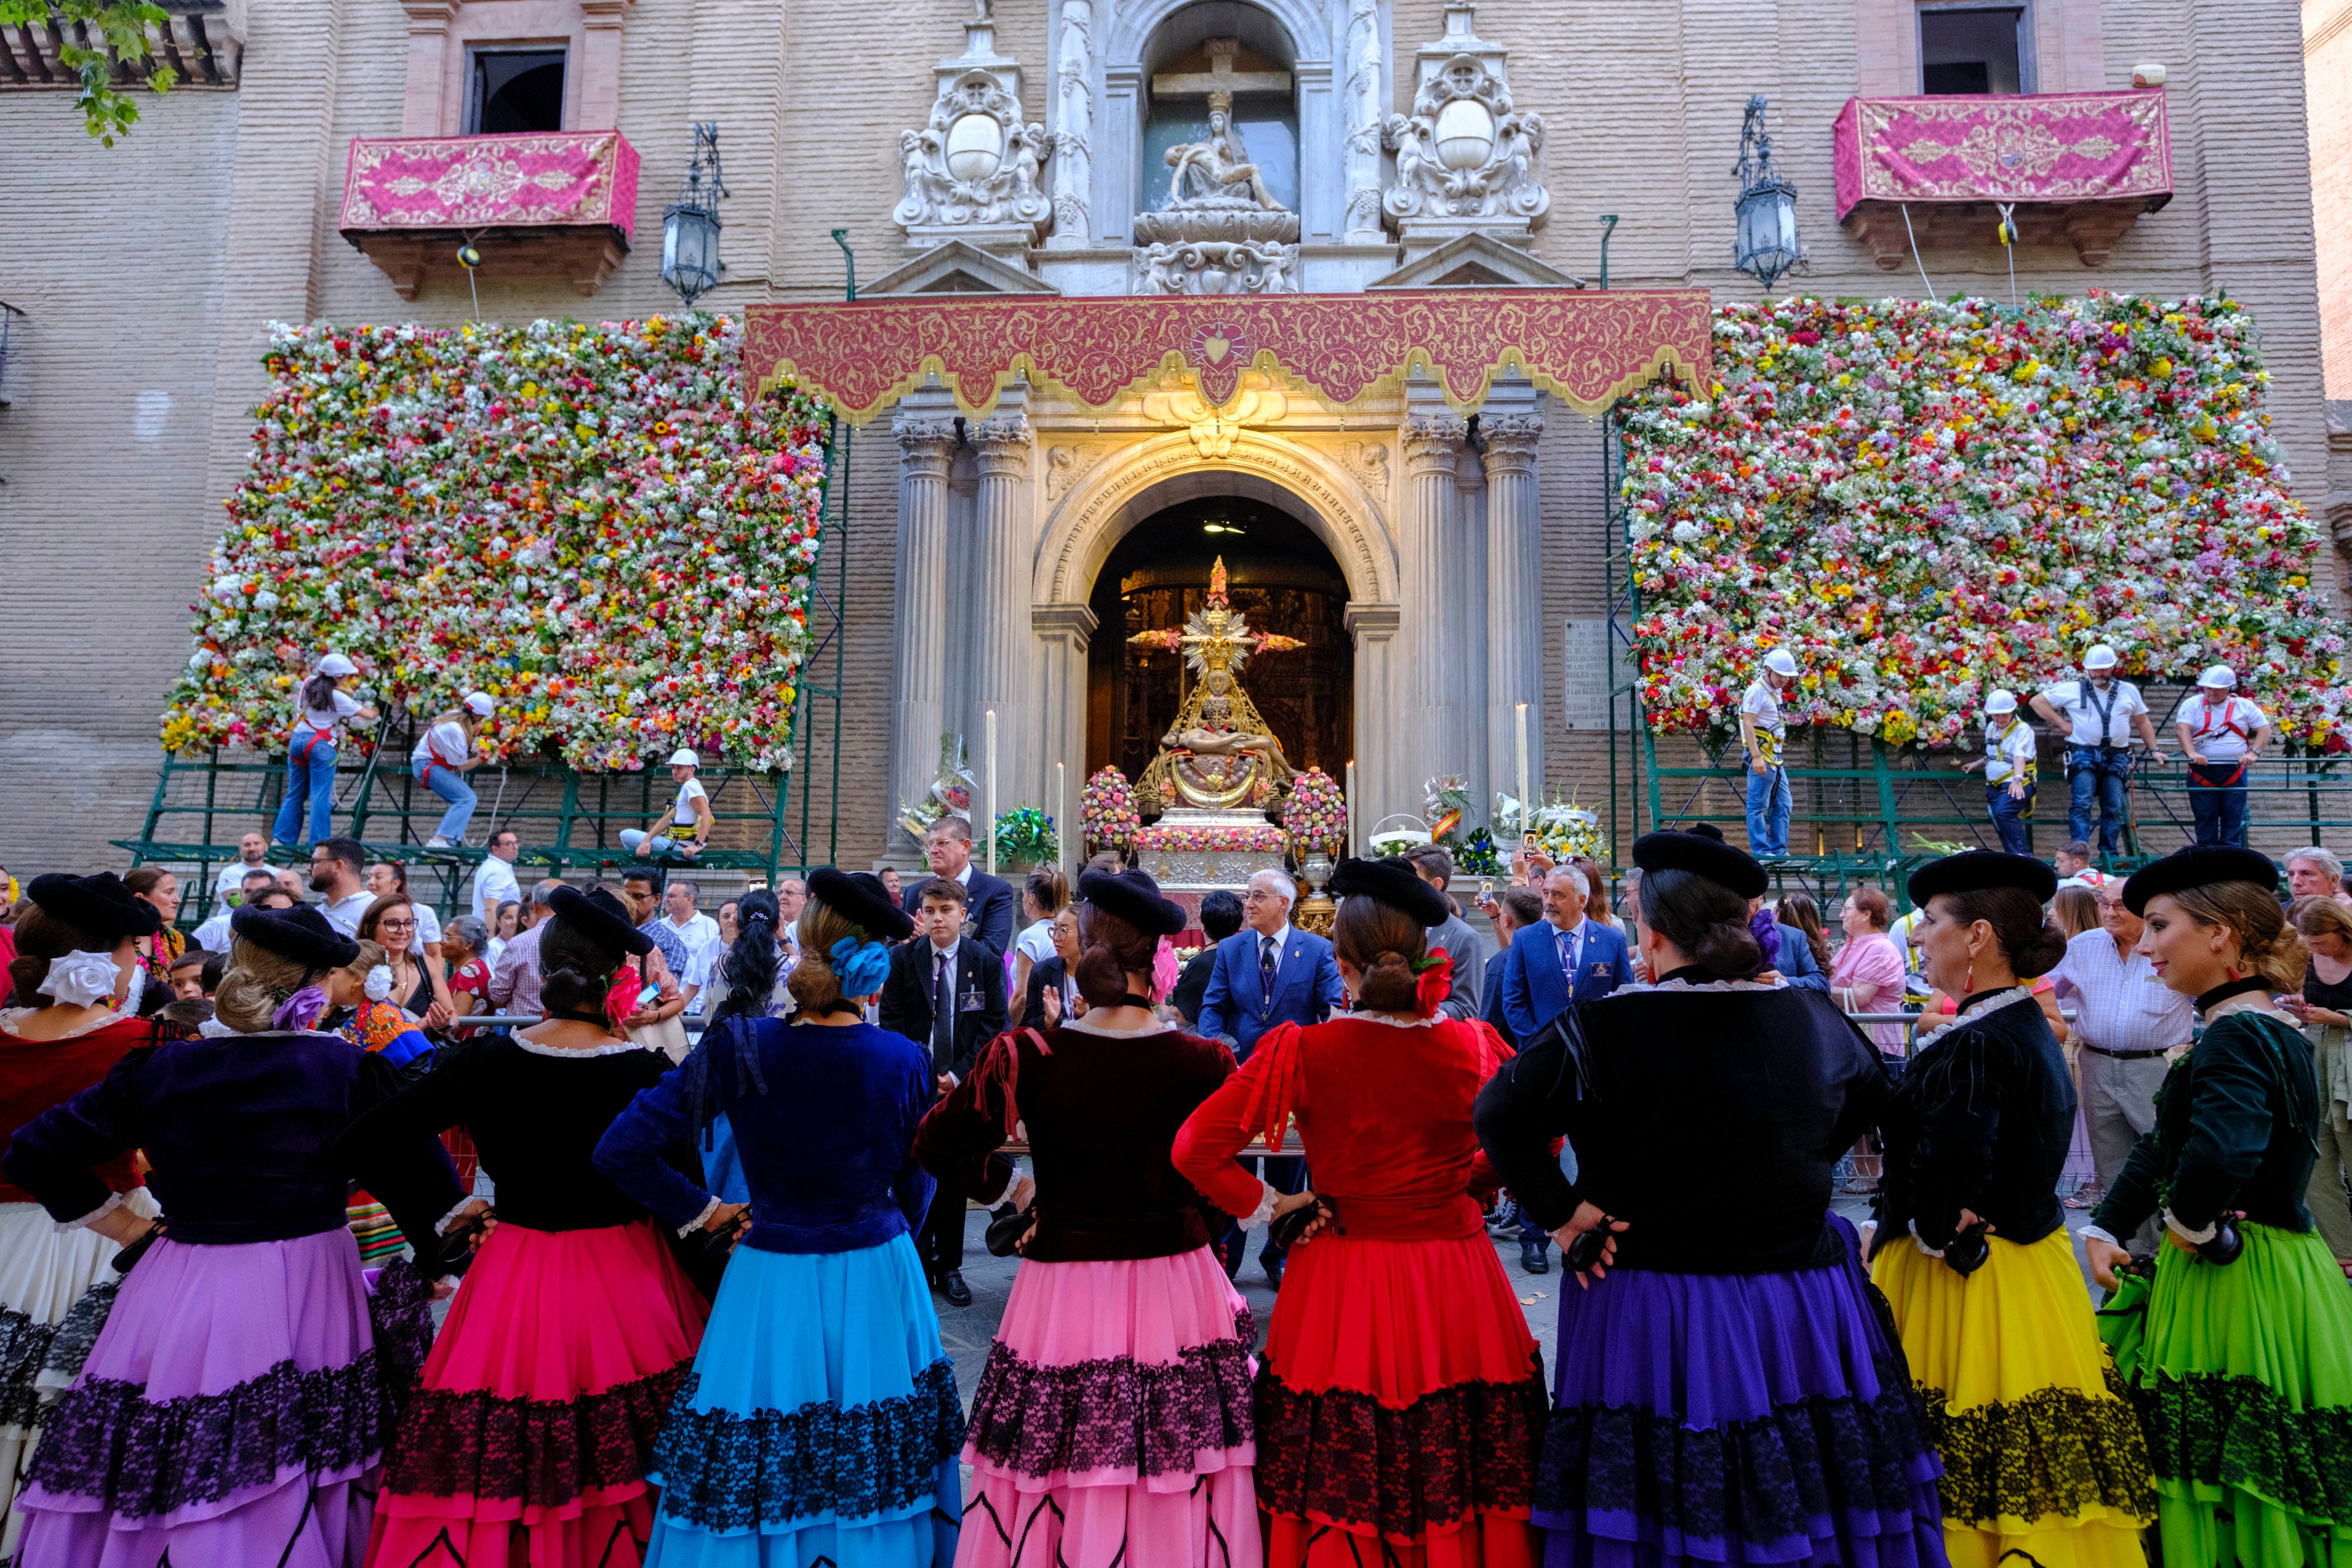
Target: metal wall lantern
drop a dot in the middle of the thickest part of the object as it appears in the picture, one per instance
(690, 225)
(1766, 213)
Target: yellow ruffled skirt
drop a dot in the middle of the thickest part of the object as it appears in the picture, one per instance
(2043, 1452)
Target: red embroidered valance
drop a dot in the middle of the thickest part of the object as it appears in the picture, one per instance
(540, 179)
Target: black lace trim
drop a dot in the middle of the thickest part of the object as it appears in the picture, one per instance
(1344, 1456)
(2055, 1452)
(721, 1471)
(1114, 1413)
(400, 1312)
(2234, 1431)
(24, 1346)
(1756, 1481)
(139, 1458)
(76, 1336)
(544, 1452)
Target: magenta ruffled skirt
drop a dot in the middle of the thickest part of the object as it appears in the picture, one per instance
(1114, 1417)
(226, 1416)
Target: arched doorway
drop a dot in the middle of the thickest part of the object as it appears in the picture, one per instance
(1282, 580)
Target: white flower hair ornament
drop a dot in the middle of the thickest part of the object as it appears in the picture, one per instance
(379, 983)
(79, 979)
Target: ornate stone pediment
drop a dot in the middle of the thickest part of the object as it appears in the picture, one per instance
(957, 267)
(975, 171)
(1477, 261)
(1467, 159)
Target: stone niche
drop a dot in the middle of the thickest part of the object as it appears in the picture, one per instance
(1222, 227)
(976, 170)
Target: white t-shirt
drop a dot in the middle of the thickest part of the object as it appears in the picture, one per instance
(1038, 941)
(2222, 730)
(2082, 702)
(231, 880)
(1763, 704)
(687, 794)
(328, 720)
(428, 925)
(2008, 751)
(445, 743)
(494, 883)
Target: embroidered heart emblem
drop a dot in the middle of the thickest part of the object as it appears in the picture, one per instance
(1216, 349)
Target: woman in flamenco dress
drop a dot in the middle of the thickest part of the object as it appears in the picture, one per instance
(1726, 1393)
(234, 1407)
(1113, 1421)
(2238, 1352)
(820, 1422)
(530, 1438)
(2041, 1454)
(77, 979)
(1399, 1405)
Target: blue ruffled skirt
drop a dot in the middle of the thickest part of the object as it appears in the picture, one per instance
(820, 1422)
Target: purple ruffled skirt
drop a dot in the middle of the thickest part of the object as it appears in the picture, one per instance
(227, 1414)
(1734, 1418)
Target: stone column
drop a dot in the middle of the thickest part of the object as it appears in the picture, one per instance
(1364, 102)
(1063, 630)
(1001, 641)
(927, 443)
(1379, 696)
(1073, 118)
(1433, 645)
(1515, 631)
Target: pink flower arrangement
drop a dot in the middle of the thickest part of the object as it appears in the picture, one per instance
(1927, 501)
(588, 522)
(1268, 840)
(1107, 812)
(1317, 811)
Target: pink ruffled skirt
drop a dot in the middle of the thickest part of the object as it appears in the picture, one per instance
(1114, 1417)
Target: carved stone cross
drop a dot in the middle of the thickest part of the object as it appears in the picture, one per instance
(1220, 80)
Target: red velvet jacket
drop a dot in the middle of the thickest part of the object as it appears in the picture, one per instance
(36, 1074)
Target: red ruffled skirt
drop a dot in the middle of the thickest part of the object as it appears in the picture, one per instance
(530, 1439)
(1400, 1405)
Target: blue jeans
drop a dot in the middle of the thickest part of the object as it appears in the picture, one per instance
(2217, 795)
(1769, 805)
(2090, 768)
(309, 772)
(2009, 817)
(450, 786)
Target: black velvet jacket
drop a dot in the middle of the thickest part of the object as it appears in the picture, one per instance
(1981, 1121)
(2234, 1127)
(1707, 1117)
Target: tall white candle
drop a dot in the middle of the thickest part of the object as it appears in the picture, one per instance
(1062, 806)
(991, 803)
(1526, 802)
(1351, 847)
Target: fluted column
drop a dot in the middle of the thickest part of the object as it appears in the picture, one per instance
(1432, 439)
(1063, 632)
(927, 443)
(1074, 124)
(1515, 636)
(1002, 640)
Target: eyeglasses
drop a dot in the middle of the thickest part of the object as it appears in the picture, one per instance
(396, 926)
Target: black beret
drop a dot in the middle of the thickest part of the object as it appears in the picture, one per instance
(1395, 882)
(1134, 897)
(2198, 865)
(859, 897)
(1975, 871)
(1705, 830)
(302, 933)
(600, 917)
(1702, 855)
(99, 906)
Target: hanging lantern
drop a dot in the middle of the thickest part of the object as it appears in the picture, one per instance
(1766, 213)
(690, 225)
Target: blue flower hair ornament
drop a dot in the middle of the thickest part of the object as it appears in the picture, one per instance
(860, 965)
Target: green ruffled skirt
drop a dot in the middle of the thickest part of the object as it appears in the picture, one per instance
(2242, 1377)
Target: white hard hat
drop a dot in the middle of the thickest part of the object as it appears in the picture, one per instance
(2220, 677)
(683, 758)
(1780, 662)
(1998, 701)
(482, 703)
(336, 664)
(2100, 657)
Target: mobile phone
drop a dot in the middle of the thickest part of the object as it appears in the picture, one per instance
(1527, 840)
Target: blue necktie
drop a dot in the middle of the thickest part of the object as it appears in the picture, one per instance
(1266, 955)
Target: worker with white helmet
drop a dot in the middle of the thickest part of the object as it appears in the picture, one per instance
(2221, 734)
(444, 754)
(1762, 733)
(2007, 763)
(2098, 714)
(322, 709)
(684, 827)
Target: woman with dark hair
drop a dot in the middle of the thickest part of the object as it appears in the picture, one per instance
(750, 979)
(2043, 1460)
(1725, 1392)
(235, 1404)
(321, 711)
(535, 1426)
(2239, 1351)
(159, 950)
(1798, 909)
(819, 1421)
(78, 979)
(1118, 1289)
(418, 980)
(1400, 1403)
(1043, 898)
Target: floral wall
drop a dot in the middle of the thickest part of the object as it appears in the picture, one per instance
(1928, 501)
(586, 521)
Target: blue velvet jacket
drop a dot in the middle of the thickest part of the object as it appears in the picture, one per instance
(823, 1121)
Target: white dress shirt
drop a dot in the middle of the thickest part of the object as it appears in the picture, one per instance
(2120, 1005)
(494, 883)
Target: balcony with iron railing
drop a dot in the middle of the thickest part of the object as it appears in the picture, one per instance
(552, 203)
(2066, 168)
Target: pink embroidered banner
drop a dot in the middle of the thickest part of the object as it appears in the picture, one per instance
(2037, 147)
(569, 178)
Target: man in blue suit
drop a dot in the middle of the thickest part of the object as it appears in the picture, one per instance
(1540, 960)
(1268, 973)
(1514, 910)
(989, 902)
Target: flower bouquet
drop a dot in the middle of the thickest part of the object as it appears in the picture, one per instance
(950, 792)
(1025, 837)
(1107, 813)
(1317, 811)
(1477, 856)
(1268, 840)
(1564, 828)
(1446, 799)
